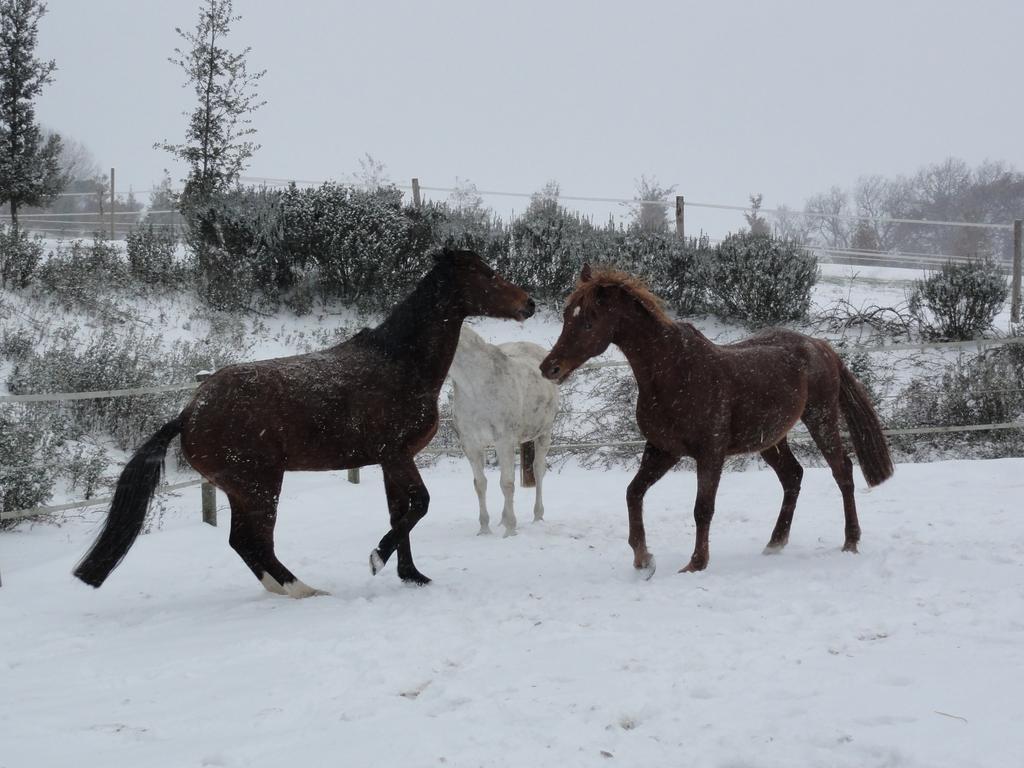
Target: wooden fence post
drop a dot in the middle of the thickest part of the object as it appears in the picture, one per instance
(680, 223)
(208, 491)
(416, 192)
(111, 204)
(353, 476)
(1015, 282)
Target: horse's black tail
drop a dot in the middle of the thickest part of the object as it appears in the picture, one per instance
(865, 429)
(134, 491)
(526, 453)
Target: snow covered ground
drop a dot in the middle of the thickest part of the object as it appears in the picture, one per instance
(539, 650)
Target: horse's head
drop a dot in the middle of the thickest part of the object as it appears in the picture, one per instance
(481, 290)
(588, 326)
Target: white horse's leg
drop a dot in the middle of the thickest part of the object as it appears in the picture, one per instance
(476, 461)
(540, 466)
(507, 461)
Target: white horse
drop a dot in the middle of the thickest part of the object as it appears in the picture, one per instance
(500, 398)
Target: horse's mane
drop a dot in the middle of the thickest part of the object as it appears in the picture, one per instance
(586, 292)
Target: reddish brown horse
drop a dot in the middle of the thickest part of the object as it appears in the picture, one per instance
(708, 402)
(369, 400)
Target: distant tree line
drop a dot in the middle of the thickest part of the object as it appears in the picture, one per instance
(991, 193)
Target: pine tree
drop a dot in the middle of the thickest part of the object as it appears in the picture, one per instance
(30, 172)
(216, 146)
(757, 223)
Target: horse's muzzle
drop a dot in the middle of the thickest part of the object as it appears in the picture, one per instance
(553, 370)
(528, 309)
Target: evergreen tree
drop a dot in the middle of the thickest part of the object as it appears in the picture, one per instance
(650, 213)
(30, 171)
(216, 147)
(757, 223)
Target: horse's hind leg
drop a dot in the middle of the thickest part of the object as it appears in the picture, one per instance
(476, 461)
(824, 428)
(541, 445)
(780, 458)
(507, 463)
(653, 466)
(408, 501)
(709, 472)
(253, 516)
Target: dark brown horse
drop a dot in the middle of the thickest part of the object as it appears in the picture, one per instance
(369, 400)
(708, 402)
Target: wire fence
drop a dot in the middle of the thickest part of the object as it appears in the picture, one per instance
(120, 223)
(435, 450)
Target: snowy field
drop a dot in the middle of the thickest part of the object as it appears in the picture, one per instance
(539, 650)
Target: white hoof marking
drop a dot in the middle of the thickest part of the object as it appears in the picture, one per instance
(298, 590)
(376, 562)
(270, 584)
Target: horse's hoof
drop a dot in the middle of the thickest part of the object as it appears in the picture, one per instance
(538, 519)
(484, 532)
(376, 562)
(509, 532)
(646, 571)
(299, 590)
(850, 546)
(414, 577)
(773, 549)
(693, 567)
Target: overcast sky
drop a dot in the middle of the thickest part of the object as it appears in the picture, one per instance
(720, 98)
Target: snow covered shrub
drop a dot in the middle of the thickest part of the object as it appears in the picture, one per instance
(237, 241)
(26, 477)
(78, 274)
(547, 248)
(984, 389)
(476, 229)
(959, 301)
(16, 343)
(116, 358)
(19, 257)
(365, 248)
(151, 256)
(760, 279)
(674, 269)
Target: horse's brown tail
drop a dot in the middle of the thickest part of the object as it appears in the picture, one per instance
(865, 429)
(526, 477)
(134, 491)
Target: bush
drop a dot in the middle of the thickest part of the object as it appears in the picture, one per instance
(77, 274)
(237, 241)
(19, 257)
(959, 301)
(124, 358)
(760, 279)
(151, 256)
(26, 477)
(985, 389)
(676, 270)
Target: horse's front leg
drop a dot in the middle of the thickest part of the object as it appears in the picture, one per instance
(476, 461)
(709, 472)
(506, 451)
(653, 466)
(408, 501)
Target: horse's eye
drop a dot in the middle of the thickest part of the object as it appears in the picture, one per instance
(587, 325)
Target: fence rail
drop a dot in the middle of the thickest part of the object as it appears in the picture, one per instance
(354, 477)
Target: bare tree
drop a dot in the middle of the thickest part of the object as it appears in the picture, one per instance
(792, 225)
(827, 211)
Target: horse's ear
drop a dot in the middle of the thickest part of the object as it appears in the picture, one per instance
(585, 274)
